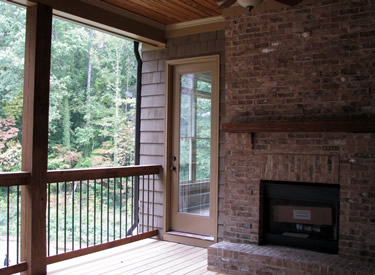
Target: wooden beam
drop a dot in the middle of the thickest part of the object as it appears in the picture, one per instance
(13, 269)
(35, 137)
(108, 21)
(100, 247)
(360, 126)
(101, 173)
(14, 178)
(22, 2)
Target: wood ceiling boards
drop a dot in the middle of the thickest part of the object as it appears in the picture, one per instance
(169, 11)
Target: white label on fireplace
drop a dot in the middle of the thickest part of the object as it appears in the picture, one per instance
(301, 214)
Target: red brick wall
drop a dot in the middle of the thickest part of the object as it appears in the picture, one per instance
(306, 63)
(310, 62)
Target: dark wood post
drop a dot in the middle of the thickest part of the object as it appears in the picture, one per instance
(35, 136)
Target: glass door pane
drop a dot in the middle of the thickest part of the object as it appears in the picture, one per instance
(195, 143)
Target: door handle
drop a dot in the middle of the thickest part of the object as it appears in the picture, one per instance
(173, 168)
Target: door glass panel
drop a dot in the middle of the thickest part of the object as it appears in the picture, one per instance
(195, 143)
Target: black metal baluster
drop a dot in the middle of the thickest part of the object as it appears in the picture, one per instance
(18, 222)
(132, 217)
(126, 207)
(135, 217)
(120, 206)
(87, 217)
(143, 203)
(148, 202)
(73, 215)
(101, 211)
(80, 214)
(65, 217)
(153, 202)
(49, 218)
(94, 212)
(114, 208)
(7, 255)
(57, 219)
(108, 210)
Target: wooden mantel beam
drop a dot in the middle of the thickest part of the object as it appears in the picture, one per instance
(360, 126)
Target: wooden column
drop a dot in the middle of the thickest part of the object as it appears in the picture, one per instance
(35, 137)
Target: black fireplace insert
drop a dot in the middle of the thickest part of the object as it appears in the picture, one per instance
(302, 215)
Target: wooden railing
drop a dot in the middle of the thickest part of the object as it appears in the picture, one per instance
(14, 178)
(88, 210)
(10, 217)
(94, 209)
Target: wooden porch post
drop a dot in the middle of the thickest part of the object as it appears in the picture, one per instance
(35, 137)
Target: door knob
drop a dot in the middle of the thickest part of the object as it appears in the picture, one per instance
(173, 168)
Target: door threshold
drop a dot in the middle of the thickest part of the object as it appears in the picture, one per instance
(192, 235)
(189, 238)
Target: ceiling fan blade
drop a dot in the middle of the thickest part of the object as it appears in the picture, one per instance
(227, 4)
(289, 2)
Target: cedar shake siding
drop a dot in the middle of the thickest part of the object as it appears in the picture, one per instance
(153, 101)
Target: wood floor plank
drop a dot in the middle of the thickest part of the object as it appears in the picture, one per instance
(148, 256)
(166, 266)
(133, 257)
(195, 263)
(93, 258)
(78, 261)
(157, 262)
(143, 261)
(184, 269)
(212, 273)
(201, 271)
(93, 261)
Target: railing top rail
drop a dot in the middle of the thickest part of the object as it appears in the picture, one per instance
(14, 268)
(101, 173)
(14, 178)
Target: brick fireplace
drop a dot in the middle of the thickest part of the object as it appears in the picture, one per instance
(316, 158)
(310, 63)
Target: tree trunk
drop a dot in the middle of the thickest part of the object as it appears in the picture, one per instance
(66, 123)
(88, 93)
(117, 106)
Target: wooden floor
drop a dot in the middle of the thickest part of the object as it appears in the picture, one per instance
(143, 257)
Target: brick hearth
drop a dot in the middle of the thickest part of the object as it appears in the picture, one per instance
(253, 259)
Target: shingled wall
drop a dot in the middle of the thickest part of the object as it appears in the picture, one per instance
(153, 101)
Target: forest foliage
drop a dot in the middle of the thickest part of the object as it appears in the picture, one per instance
(92, 95)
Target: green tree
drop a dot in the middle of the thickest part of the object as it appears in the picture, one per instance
(10, 147)
(92, 96)
(12, 47)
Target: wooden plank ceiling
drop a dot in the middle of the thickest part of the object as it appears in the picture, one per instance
(169, 11)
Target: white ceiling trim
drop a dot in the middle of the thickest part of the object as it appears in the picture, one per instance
(195, 23)
(209, 24)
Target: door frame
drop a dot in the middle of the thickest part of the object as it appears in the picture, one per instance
(169, 65)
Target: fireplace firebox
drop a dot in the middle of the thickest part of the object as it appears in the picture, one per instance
(301, 215)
